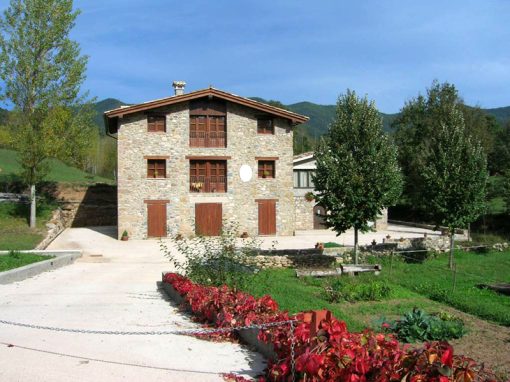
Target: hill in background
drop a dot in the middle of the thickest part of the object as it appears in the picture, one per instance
(320, 115)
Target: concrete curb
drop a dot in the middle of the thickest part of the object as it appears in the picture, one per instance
(61, 258)
(249, 336)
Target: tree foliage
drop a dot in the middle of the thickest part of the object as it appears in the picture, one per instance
(418, 125)
(454, 174)
(357, 173)
(42, 71)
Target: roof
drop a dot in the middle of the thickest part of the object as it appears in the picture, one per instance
(294, 118)
(303, 156)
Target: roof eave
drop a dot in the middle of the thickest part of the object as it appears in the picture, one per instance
(295, 118)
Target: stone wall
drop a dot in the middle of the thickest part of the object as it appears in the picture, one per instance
(85, 206)
(238, 203)
(303, 213)
(292, 259)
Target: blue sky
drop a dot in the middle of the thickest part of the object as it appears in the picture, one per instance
(297, 50)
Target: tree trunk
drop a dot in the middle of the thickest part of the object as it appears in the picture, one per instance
(32, 206)
(356, 245)
(452, 242)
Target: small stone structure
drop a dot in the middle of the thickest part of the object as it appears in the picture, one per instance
(289, 258)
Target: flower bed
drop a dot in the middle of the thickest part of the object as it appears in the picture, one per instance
(333, 353)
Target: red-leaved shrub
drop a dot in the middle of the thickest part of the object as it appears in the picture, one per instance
(335, 354)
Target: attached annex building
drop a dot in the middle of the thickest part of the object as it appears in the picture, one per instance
(190, 161)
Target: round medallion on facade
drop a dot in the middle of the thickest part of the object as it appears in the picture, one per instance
(246, 173)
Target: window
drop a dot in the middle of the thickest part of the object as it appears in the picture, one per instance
(266, 169)
(208, 175)
(208, 123)
(303, 179)
(156, 123)
(265, 126)
(156, 168)
(207, 131)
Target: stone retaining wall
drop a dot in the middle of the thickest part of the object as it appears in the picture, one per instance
(287, 258)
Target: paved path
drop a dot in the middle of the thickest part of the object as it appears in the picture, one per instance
(114, 287)
(114, 291)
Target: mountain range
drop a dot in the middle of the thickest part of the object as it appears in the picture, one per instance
(320, 115)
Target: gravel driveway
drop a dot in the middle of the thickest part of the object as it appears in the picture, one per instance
(112, 287)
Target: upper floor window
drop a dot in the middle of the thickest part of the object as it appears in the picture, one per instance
(208, 123)
(156, 123)
(266, 169)
(303, 179)
(156, 168)
(265, 126)
(207, 131)
(208, 175)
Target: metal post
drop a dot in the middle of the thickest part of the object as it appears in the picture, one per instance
(454, 276)
(391, 263)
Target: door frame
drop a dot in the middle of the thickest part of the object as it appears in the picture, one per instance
(266, 201)
(221, 218)
(159, 202)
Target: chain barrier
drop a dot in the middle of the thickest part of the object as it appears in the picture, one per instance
(292, 351)
(185, 332)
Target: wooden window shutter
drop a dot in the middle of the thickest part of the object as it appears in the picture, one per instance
(156, 168)
(265, 126)
(156, 123)
(266, 169)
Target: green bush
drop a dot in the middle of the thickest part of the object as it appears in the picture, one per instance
(418, 326)
(356, 289)
(332, 244)
(214, 260)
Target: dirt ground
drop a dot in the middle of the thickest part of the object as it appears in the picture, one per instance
(485, 342)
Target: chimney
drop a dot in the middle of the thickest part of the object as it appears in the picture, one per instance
(179, 87)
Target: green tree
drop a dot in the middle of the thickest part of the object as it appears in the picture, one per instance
(42, 72)
(454, 174)
(416, 126)
(357, 173)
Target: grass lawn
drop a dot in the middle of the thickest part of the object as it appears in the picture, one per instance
(296, 295)
(59, 171)
(434, 280)
(15, 234)
(427, 286)
(19, 259)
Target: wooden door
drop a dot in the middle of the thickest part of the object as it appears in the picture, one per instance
(208, 219)
(267, 217)
(156, 219)
(319, 213)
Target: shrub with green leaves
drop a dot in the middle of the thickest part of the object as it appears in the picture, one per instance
(332, 244)
(356, 289)
(418, 326)
(214, 260)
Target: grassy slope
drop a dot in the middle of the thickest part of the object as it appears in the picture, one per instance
(296, 295)
(434, 280)
(413, 285)
(15, 233)
(16, 260)
(59, 172)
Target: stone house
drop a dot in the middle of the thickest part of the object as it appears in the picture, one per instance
(308, 214)
(189, 162)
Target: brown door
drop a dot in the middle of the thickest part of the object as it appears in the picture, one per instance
(208, 219)
(318, 217)
(267, 217)
(156, 219)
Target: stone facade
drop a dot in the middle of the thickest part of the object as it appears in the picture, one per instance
(304, 209)
(303, 212)
(238, 203)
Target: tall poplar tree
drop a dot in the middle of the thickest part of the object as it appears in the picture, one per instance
(357, 173)
(42, 71)
(454, 174)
